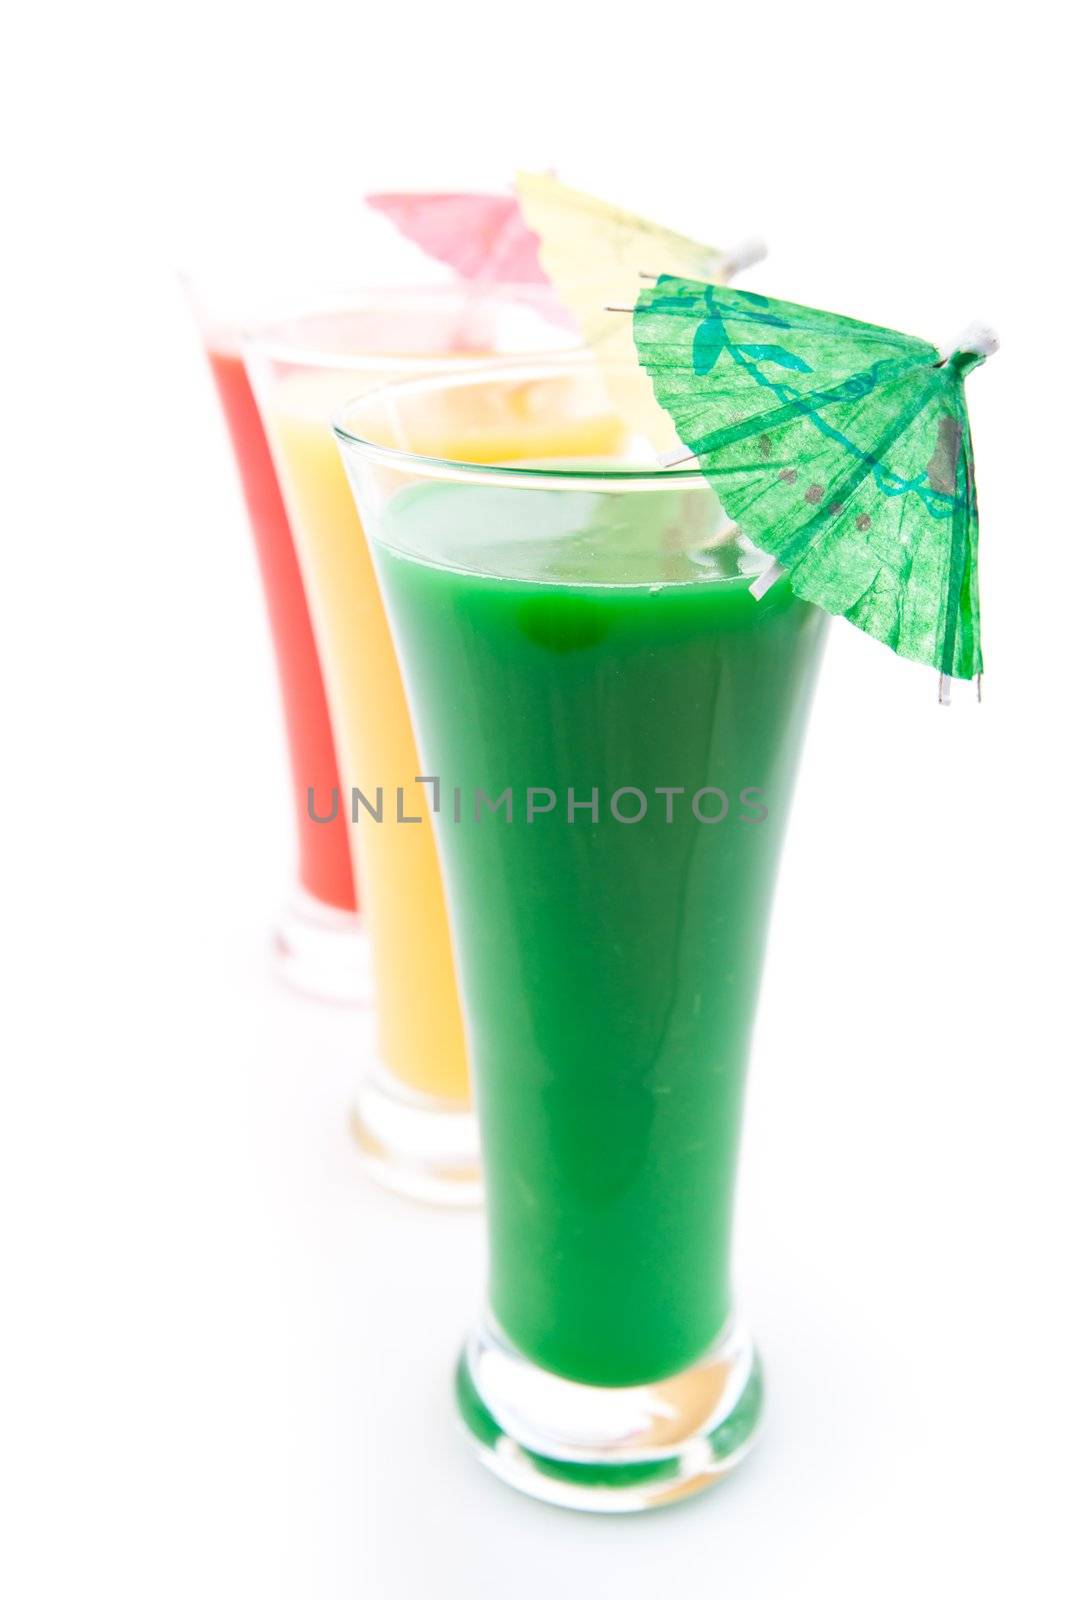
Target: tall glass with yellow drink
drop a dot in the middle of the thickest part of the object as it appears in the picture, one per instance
(412, 1118)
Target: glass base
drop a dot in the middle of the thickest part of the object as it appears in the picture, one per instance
(323, 952)
(420, 1147)
(595, 1449)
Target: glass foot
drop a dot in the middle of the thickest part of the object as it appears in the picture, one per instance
(424, 1148)
(323, 952)
(594, 1449)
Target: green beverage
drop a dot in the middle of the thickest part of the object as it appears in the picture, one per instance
(582, 650)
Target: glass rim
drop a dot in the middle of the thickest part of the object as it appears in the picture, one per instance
(498, 370)
(272, 337)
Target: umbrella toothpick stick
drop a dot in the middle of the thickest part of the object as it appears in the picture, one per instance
(674, 458)
(766, 580)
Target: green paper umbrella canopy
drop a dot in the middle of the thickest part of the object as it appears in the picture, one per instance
(841, 449)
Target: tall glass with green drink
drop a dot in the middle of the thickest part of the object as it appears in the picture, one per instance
(610, 725)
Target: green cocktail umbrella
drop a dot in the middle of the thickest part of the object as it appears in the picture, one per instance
(841, 449)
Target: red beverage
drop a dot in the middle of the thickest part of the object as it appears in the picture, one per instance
(325, 865)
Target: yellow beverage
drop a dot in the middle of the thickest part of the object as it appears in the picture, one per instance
(420, 1030)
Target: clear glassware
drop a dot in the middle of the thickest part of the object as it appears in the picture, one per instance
(613, 723)
(412, 1118)
(319, 941)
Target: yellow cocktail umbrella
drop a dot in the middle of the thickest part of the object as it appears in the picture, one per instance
(597, 256)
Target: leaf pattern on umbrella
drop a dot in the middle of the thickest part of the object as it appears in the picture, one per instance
(840, 448)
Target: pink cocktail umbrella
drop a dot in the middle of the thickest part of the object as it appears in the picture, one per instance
(482, 237)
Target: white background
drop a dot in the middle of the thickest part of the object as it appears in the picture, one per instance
(227, 1358)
